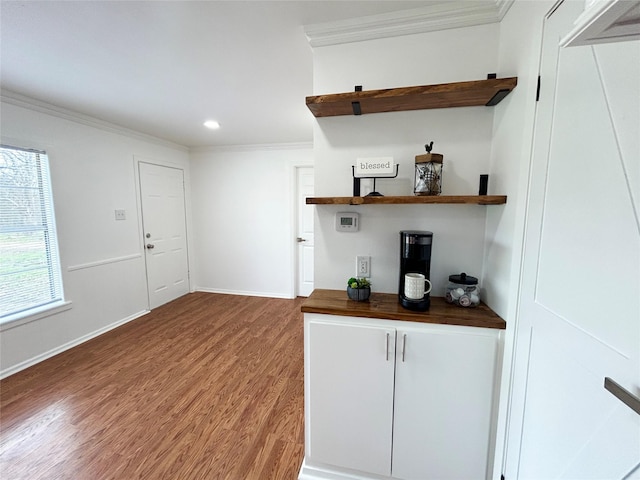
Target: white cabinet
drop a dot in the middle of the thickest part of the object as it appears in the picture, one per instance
(395, 399)
(351, 396)
(443, 402)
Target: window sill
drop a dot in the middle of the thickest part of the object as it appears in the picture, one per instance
(34, 314)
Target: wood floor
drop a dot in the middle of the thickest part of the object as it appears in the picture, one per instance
(207, 387)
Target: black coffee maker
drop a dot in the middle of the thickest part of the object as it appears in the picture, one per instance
(415, 257)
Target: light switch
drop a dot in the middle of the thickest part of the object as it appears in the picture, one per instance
(121, 215)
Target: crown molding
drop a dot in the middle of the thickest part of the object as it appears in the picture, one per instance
(503, 7)
(19, 100)
(439, 16)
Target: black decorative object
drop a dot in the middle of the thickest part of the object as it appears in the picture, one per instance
(356, 187)
(484, 184)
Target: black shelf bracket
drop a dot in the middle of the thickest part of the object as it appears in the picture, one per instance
(356, 105)
(497, 98)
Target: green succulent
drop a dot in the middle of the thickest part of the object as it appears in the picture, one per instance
(358, 282)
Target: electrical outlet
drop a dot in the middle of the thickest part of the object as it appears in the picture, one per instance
(363, 266)
(121, 215)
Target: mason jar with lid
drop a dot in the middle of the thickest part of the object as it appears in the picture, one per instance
(463, 290)
(428, 174)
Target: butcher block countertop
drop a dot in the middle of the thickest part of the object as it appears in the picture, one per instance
(386, 306)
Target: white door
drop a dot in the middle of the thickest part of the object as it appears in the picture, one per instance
(579, 312)
(445, 384)
(304, 238)
(164, 226)
(350, 397)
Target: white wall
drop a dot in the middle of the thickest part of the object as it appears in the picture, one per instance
(463, 135)
(519, 54)
(93, 173)
(243, 214)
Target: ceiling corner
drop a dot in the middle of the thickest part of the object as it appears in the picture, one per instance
(439, 16)
(503, 6)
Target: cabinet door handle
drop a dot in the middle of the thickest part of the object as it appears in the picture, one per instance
(404, 344)
(386, 347)
(625, 396)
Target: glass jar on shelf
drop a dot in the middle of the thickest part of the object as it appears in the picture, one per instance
(428, 174)
(463, 290)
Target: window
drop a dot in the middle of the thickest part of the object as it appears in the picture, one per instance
(29, 263)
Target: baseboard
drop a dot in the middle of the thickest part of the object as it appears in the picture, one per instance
(244, 293)
(55, 351)
(311, 472)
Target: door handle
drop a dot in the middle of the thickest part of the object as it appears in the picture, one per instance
(404, 344)
(300, 240)
(150, 246)
(622, 394)
(386, 347)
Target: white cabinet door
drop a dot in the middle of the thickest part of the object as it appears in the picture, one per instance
(444, 394)
(349, 397)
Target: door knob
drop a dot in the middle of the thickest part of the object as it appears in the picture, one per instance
(150, 246)
(300, 240)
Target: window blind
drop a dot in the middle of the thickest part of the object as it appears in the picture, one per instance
(29, 261)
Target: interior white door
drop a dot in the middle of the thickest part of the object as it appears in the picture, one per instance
(445, 386)
(304, 238)
(350, 397)
(165, 238)
(579, 310)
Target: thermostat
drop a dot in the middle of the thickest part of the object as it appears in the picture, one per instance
(347, 222)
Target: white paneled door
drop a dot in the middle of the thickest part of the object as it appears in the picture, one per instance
(579, 318)
(304, 239)
(164, 230)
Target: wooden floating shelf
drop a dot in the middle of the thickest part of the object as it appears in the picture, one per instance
(422, 200)
(461, 94)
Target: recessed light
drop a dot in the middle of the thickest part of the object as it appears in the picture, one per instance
(212, 124)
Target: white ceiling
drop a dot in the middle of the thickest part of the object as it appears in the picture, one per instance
(164, 67)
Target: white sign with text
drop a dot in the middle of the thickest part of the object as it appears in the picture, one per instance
(374, 167)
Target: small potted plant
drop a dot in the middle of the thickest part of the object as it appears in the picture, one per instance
(358, 289)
